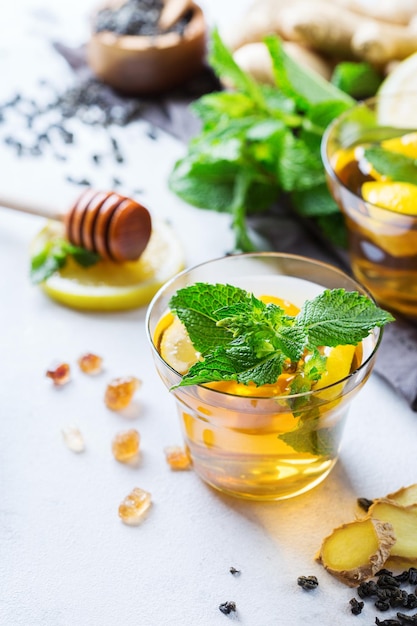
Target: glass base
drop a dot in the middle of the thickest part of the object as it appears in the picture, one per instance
(263, 478)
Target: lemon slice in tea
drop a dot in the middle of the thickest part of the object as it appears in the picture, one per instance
(110, 286)
(394, 196)
(406, 145)
(176, 347)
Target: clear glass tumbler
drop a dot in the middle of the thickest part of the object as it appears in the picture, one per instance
(263, 448)
(382, 242)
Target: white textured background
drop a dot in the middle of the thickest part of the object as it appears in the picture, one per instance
(65, 557)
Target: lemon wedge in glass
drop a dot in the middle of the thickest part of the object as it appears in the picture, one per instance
(406, 145)
(110, 286)
(176, 347)
(394, 196)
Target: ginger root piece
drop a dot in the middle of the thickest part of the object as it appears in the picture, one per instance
(254, 59)
(405, 496)
(379, 43)
(321, 26)
(354, 552)
(261, 19)
(403, 520)
(377, 31)
(398, 12)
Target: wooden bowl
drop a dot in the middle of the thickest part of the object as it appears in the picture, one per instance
(135, 64)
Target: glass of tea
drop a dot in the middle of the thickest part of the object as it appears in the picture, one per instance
(265, 442)
(370, 157)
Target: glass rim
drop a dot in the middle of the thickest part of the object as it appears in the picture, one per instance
(296, 257)
(331, 129)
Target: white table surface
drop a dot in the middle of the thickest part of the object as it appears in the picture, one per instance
(65, 557)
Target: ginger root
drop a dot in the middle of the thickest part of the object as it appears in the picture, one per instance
(398, 12)
(380, 43)
(387, 535)
(254, 59)
(320, 26)
(261, 19)
(376, 32)
(354, 552)
(403, 519)
(404, 496)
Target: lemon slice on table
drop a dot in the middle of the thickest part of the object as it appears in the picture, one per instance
(110, 286)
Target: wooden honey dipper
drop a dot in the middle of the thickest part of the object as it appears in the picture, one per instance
(114, 226)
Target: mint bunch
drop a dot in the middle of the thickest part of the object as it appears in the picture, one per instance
(53, 257)
(243, 339)
(259, 142)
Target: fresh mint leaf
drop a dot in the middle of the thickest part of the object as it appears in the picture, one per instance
(302, 85)
(314, 366)
(45, 263)
(53, 257)
(308, 438)
(221, 59)
(359, 80)
(235, 362)
(320, 115)
(395, 166)
(212, 107)
(338, 317)
(266, 327)
(204, 184)
(314, 202)
(198, 306)
(83, 257)
(298, 168)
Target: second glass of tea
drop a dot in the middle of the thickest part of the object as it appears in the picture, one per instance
(252, 442)
(379, 205)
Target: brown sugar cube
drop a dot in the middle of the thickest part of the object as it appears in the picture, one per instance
(59, 373)
(134, 506)
(120, 391)
(125, 445)
(177, 458)
(90, 363)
